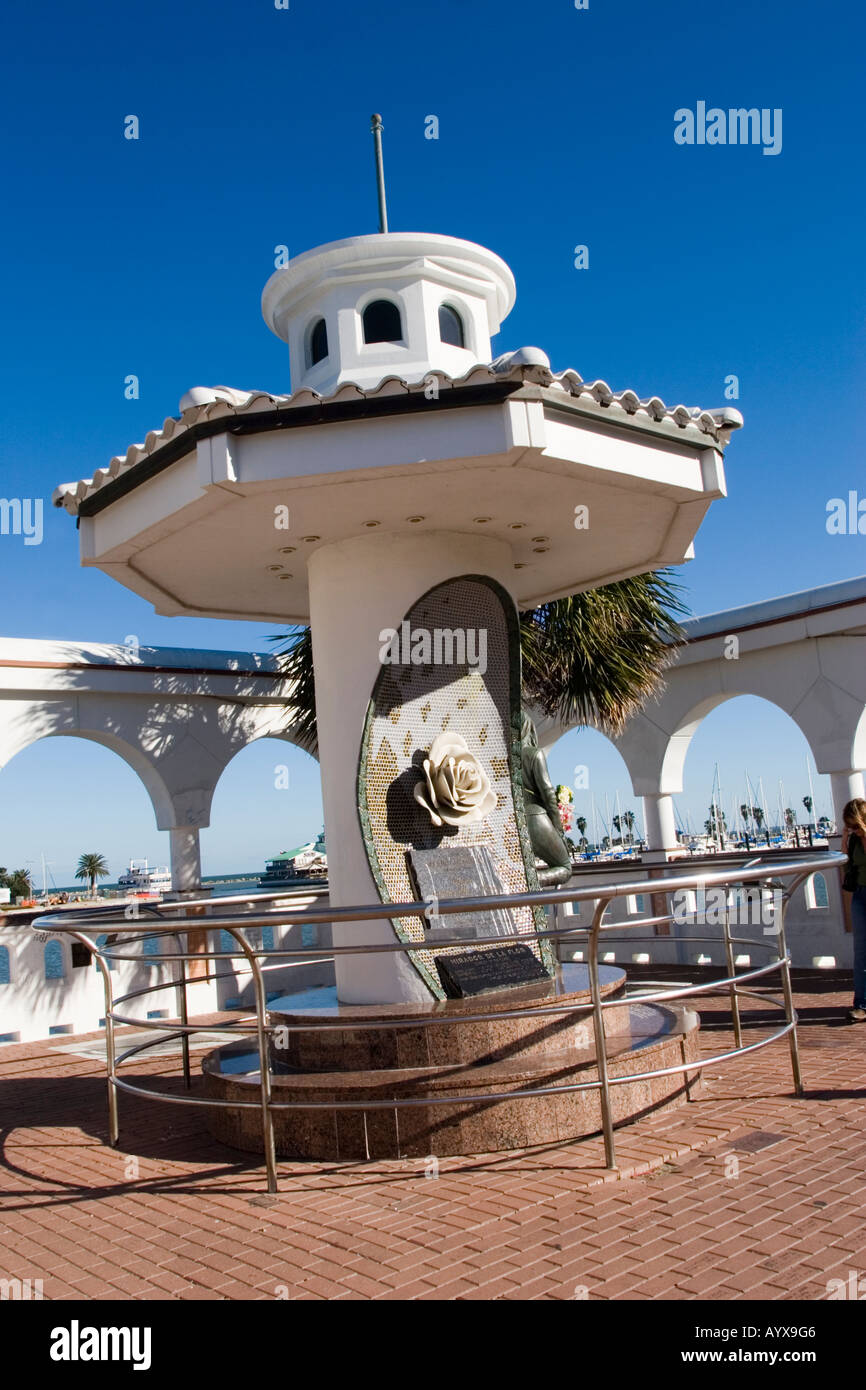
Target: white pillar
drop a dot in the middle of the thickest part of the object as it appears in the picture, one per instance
(845, 787)
(185, 859)
(186, 883)
(357, 589)
(661, 829)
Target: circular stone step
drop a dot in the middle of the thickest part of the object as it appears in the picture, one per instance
(653, 1037)
(441, 1033)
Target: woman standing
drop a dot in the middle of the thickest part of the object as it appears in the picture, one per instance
(854, 845)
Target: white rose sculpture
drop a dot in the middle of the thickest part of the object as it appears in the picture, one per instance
(456, 789)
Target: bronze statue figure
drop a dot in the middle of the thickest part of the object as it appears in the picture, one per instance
(542, 810)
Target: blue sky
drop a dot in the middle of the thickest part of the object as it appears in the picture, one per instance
(556, 129)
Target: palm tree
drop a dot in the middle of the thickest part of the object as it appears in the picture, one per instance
(580, 824)
(18, 882)
(790, 817)
(615, 822)
(92, 867)
(716, 825)
(594, 658)
(746, 816)
(758, 814)
(628, 819)
(807, 802)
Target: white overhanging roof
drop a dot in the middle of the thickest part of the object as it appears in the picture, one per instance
(207, 406)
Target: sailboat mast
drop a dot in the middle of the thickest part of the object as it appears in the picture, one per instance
(750, 793)
(714, 811)
(762, 803)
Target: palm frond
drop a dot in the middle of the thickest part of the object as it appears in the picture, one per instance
(596, 658)
(295, 662)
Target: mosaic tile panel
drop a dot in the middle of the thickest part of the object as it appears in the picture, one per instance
(414, 702)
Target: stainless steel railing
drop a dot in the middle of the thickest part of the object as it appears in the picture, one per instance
(669, 881)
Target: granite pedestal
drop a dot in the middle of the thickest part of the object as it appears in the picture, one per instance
(381, 1053)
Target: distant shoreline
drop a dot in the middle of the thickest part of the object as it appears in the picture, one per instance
(208, 880)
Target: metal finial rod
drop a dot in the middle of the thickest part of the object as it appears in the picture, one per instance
(377, 128)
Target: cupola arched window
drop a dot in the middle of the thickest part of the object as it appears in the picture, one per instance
(317, 343)
(382, 323)
(451, 326)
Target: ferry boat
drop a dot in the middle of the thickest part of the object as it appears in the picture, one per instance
(140, 881)
(307, 862)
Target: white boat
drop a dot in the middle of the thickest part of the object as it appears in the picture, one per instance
(307, 862)
(139, 880)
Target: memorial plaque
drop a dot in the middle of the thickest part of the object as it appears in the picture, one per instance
(460, 871)
(465, 973)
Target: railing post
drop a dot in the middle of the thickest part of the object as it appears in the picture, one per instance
(184, 1013)
(787, 991)
(264, 1060)
(600, 1043)
(110, 1063)
(732, 970)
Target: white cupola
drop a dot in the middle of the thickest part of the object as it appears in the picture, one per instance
(389, 304)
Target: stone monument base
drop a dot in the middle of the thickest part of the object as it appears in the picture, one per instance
(437, 1052)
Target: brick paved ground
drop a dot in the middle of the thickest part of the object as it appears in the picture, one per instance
(745, 1193)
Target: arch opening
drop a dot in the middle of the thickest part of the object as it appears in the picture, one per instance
(606, 815)
(267, 800)
(747, 774)
(42, 828)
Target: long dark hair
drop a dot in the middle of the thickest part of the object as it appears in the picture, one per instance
(854, 817)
